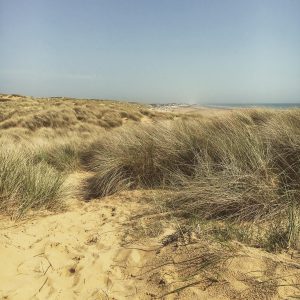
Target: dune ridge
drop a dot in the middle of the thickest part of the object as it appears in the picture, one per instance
(183, 204)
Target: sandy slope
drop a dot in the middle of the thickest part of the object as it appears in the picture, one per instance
(72, 255)
(84, 253)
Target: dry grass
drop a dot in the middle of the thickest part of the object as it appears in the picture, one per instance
(68, 113)
(215, 179)
(242, 167)
(239, 167)
(26, 185)
(62, 155)
(41, 140)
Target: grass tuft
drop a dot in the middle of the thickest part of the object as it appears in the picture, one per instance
(26, 185)
(239, 167)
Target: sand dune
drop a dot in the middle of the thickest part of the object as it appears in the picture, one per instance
(73, 255)
(131, 245)
(83, 253)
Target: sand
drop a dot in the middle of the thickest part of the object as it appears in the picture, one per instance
(71, 255)
(93, 251)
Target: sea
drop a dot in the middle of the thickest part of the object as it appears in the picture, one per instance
(256, 105)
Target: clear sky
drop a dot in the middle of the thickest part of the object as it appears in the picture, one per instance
(196, 51)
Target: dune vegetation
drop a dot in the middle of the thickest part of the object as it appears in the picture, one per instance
(239, 170)
(236, 175)
(223, 181)
(42, 140)
(26, 184)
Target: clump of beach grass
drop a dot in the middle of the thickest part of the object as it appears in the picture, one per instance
(63, 155)
(26, 185)
(239, 167)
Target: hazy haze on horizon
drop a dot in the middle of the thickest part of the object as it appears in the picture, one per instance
(194, 51)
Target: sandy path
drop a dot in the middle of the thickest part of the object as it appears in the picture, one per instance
(85, 253)
(77, 254)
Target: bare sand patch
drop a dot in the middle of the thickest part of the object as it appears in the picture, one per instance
(86, 253)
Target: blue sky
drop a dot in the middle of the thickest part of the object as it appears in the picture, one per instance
(196, 51)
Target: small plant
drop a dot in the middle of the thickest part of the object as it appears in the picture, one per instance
(276, 239)
(25, 185)
(63, 156)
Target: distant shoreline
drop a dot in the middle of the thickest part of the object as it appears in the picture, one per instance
(252, 105)
(194, 107)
